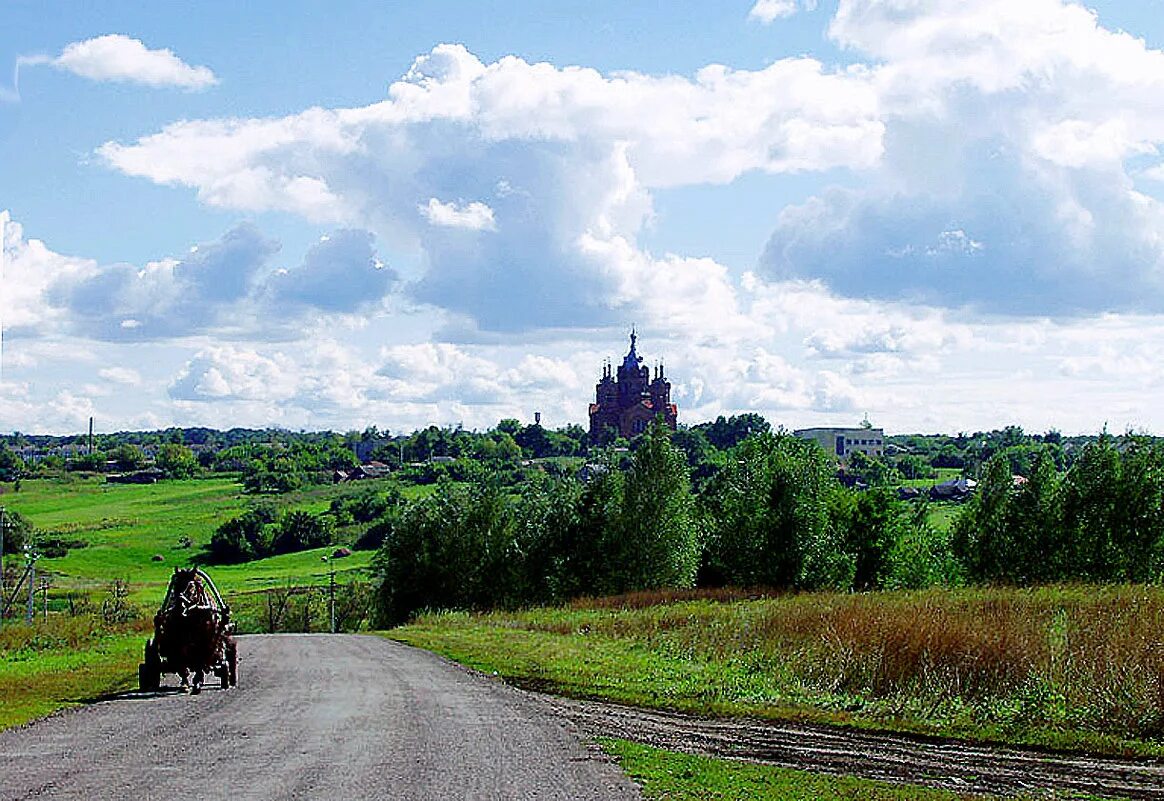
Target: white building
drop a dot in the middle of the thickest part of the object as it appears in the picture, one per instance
(843, 442)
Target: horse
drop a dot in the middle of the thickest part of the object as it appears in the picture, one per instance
(193, 631)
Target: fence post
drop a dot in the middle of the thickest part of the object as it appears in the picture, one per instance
(3, 525)
(330, 592)
(31, 584)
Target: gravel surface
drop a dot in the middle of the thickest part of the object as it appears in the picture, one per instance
(314, 716)
(929, 762)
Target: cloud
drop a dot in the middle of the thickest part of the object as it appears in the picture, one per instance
(474, 216)
(341, 273)
(768, 11)
(1004, 184)
(432, 372)
(550, 159)
(121, 375)
(226, 372)
(229, 287)
(28, 269)
(118, 58)
(171, 297)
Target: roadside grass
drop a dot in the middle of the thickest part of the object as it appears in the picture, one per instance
(64, 662)
(1069, 667)
(672, 776)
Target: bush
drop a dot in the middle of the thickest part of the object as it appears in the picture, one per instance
(455, 549)
(176, 461)
(301, 531)
(240, 539)
(17, 530)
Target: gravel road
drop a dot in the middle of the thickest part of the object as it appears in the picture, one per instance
(315, 716)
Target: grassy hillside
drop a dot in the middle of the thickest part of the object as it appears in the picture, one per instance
(124, 527)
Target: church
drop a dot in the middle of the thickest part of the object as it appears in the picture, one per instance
(627, 402)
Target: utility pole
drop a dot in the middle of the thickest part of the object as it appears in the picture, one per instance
(44, 588)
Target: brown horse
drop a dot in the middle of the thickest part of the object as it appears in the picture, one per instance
(192, 631)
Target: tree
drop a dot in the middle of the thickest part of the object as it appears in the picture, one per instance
(1137, 529)
(17, 530)
(534, 442)
(240, 539)
(1089, 506)
(1035, 526)
(657, 543)
(921, 556)
(301, 531)
(871, 470)
(872, 527)
(176, 460)
(770, 516)
(11, 465)
(912, 466)
(726, 433)
(90, 462)
(509, 426)
(455, 549)
(128, 457)
(982, 537)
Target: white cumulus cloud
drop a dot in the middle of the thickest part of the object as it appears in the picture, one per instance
(115, 57)
(768, 11)
(475, 216)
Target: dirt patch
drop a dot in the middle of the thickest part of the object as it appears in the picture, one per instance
(929, 762)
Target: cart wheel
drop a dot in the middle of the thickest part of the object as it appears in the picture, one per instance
(148, 678)
(232, 664)
(149, 673)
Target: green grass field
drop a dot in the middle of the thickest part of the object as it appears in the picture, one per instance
(126, 526)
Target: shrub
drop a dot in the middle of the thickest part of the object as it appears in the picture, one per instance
(240, 539)
(301, 531)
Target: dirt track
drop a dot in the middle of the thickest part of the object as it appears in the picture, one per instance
(928, 762)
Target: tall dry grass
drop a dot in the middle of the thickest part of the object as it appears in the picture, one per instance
(1078, 656)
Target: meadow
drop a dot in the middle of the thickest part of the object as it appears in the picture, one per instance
(126, 528)
(1074, 667)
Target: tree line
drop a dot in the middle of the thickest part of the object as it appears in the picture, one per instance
(774, 516)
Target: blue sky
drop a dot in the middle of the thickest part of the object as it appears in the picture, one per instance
(944, 214)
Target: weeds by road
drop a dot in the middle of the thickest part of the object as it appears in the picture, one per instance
(1062, 667)
(64, 662)
(685, 777)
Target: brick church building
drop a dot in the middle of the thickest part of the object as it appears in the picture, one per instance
(629, 401)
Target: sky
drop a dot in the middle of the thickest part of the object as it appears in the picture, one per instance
(944, 215)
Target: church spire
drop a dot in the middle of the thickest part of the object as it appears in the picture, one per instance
(632, 360)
